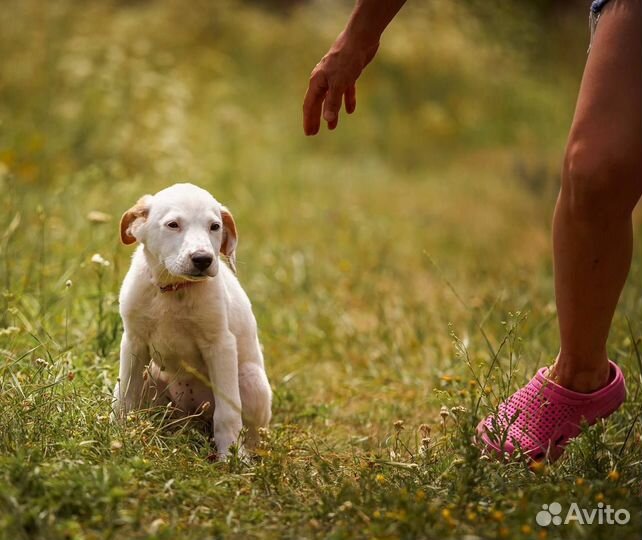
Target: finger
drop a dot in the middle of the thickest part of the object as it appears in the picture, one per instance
(332, 106)
(312, 103)
(350, 99)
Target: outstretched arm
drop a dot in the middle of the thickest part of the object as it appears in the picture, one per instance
(334, 77)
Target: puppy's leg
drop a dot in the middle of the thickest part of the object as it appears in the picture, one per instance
(256, 399)
(156, 387)
(128, 392)
(220, 356)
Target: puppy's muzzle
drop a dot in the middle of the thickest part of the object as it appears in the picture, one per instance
(201, 260)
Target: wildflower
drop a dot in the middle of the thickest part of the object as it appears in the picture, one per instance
(264, 439)
(71, 376)
(397, 516)
(497, 515)
(42, 362)
(68, 284)
(156, 525)
(599, 497)
(538, 467)
(9, 330)
(471, 516)
(398, 425)
(444, 413)
(526, 529)
(579, 481)
(376, 514)
(424, 429)
(95, 216)
(448, 518)
(420, 495)
(97, 258)
(380, 479)
(425, 443)
(116, 445)
(614, 476)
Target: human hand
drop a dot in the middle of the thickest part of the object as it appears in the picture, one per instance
(333, 80)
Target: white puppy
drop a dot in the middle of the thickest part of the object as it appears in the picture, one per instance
(190, 337)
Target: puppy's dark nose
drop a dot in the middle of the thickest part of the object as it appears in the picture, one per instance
(201, 260)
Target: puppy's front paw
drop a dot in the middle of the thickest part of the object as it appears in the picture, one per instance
(117, 412)
(226, 453)
(227, 429)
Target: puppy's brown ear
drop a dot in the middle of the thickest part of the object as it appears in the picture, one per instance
(230, 237)
(139, 211)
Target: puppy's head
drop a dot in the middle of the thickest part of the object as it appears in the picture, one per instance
(184, 228)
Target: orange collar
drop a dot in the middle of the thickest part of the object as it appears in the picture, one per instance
(172, 287)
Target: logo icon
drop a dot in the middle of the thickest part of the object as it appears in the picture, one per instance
(550, 513)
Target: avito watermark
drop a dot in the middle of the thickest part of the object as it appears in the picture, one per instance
(603, 514)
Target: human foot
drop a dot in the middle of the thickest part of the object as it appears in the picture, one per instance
(540, 418)
(574, 375)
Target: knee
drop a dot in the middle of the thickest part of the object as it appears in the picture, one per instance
(598, 183)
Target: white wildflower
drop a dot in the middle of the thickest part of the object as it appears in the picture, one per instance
(97, 258)
(96, 216)
(9, 330)
(444, 412)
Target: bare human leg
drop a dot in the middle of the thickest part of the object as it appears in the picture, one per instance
(601, 184)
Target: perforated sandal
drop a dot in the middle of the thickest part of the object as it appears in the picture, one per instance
(540, 418)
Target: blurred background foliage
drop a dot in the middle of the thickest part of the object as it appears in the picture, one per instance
(451, 159)
(174, 89)
(453, 152)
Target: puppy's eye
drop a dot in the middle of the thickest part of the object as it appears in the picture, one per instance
(215, 226)
(173, 225)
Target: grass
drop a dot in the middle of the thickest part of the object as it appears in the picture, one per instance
(399, 270)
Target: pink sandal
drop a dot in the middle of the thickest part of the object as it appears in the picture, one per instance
(540, 418)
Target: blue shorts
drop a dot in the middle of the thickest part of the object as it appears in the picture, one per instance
(597, 6)
(594, 15)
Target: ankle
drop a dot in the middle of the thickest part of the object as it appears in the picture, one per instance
(580, 377)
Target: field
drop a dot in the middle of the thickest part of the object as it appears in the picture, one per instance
(399, 269)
